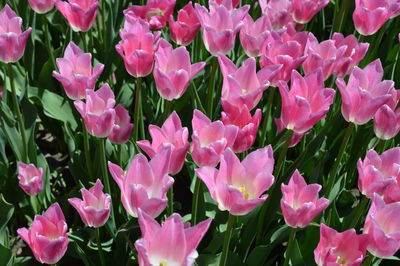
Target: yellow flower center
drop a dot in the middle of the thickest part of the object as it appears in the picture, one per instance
(163, 263)
(341, 261)
(243, 190)
(244, 91)
(155, 12)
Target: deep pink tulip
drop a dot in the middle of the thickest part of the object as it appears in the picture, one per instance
(243, 85)
(345, 248)
(220, 25)
(80, 14)
(173, 134)
(377, 172)
(122, 128)
(365, 93)
(210, 139)
(387, 122)
(304, 10)
(76, 72)
(145, 184)
(392, 191)
(234, 3)
(171, 243)
(47, 236)
(41, 6)
(12, 39)
(137, 47)
(239, 186)
(240, 116)
(279, 12)
(253, 34)
(98, 112)
(184, 29)
(155, 12)
(300, 203)
(173, 70)
(382, 225)
(30, 178)
(94, 209)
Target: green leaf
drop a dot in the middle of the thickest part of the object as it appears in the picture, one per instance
(6, 256)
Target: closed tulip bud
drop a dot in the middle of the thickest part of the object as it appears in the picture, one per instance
(122, 128)
(253, 34)
(41, 6)
(304, 10)
(30, 178)
(278, 12)
(386, 122)
(184, 29)
(80, 14)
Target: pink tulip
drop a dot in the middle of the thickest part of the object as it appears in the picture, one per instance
(279, 12)
(234, 3)
(12, 39)
(220, 25)
(76, 72)
(334, 248)
(94, 209)
(184, 29)
(377, 172)
(382, 225)
(239, 186)
(47, 236)
(210, 139)
(41, 6)
(122, 128)
(300, 203)
(172, 243)
(30, 178)
(253, 34)
(173, 70)
(137, 47)
(353, 54)
(304, 10)
(80, 14)
(171, 133)
(392, 191)
(240, 116)
(243, 85)
(145, 184)
(387, 122)
(365, 93)
(98, 112)
(155, 12)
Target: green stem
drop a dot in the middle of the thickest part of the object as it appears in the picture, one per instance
(101, 143)
(227, 240)
(82, 35)
(196, 98)
(137, 111)
(290, 245)
(380, 147)
(168, 109)
(195, 202)
(360, 209)
(282, 155)
(396, 65)
(99, 247)
(368, 260)
(344, 7)
(211, 87)
(170, 209)
(267, 116)
(35, 204)
(87, 150)
(48, 42)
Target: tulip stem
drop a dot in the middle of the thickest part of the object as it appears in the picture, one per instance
(282, 154)
(196, 99)
(86, 150)
(138, 99)
(48, 42)
(290, 245)
(211, 87)
(83, 39)
(227, 240)
(360, 209)
(267, 115)
(170, 209)
(100, 248)
(195, 202)
(344, 7)
(368, 260)
(168, 108)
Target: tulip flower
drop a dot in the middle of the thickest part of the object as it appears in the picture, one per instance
(278, 12)
(76, 72)
(300, 203)
(94, 209)
(304, 10)
(155, 12)
(184, 29)
(365, 93)
(220, 25)
(392, 191)
(377, 172)
(345, 248)
(243, 85)
(173, 70)
(210, 139)
(253, 34)
(240, 116)
(159, 243)
(30, 178)
(98, 112)
(137, 47)
(386, 122)
(145, 184)
(239, 186)
(47, 236)
(234, 3)
(173, 134)
(12, 39)
(122, 128)
(382, 225)
(41, 6)
(80, 14)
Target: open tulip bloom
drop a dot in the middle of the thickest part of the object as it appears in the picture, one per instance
(278, 12)
(185, 28)
(80, 14)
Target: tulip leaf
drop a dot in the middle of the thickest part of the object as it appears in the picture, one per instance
(6, 210)
(6, 256)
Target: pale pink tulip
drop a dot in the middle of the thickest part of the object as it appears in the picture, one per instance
(30, 178)
(365, 93)
(98, 112)
(304, 10)
(253, 34)
(155, 12)
(392, 191)
(300, 203)
(184, 29)
(173, 70)
(94, 209)
(145, 184)
(279, 12)
(387, 122)
(47, 236)
(122, 128)
(12, 39)
(210, 139)
(171, 243)
(171, 133)
(345, 248)
(41, 6)
(382, 225)
(80, 14)
(76, 72)
(239, 186)
(240, 116)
